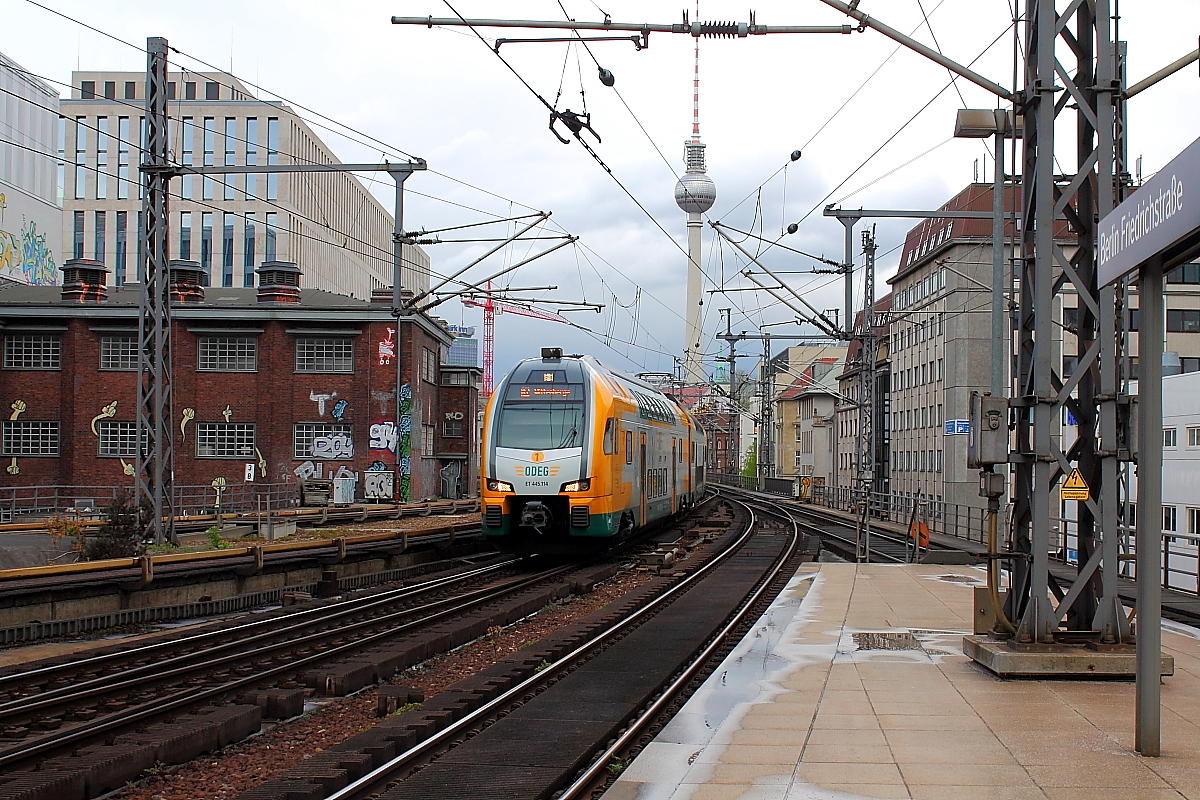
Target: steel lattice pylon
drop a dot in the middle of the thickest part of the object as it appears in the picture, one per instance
(155, 465)
(865, 473)
(1041, 392)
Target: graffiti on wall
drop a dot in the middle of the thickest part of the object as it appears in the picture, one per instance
(24, 254)
(310, 469)
(387, 348)
(339, 410)
(404, 445)
(332, 446)
(189, 414)
(321, 400)
(106, 412)
(384, 436)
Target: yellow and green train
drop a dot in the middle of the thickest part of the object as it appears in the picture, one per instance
(577, 455)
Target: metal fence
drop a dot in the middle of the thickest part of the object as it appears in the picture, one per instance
(1180, 561)
(17, 502)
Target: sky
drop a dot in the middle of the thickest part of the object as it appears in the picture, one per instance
(873, 123)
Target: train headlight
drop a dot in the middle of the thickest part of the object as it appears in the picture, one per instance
(494, 485)
(577, 486)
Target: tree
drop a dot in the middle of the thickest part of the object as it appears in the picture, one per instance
(750, 465)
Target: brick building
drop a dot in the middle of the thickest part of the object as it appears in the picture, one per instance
(270, 385)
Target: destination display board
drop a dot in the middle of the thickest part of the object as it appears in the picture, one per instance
(558, 393)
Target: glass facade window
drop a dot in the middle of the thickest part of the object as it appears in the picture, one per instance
(187, 133)
(99, 243)
(248, 251)
(62, 158)
(81, 158)
(118, 438)
(227, 249)
(269, 237)
(1170, 437)
(30, 438)
(272, 157)
(87, 90)
(102, 158)
(1183, 320)
(32, 351)
(224, 439)
(212, 90)
(77, 235)
(120, 251)
(130, 90)
(210, 138)
(185, 235)
(228, 354)
(305, 434)
(251, 158)
(123, 158)
(1187, 273)
(119, 352)
(206, 242)
(230, 159)
(189, 90)
(325, 354)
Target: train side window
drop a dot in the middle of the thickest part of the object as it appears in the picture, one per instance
(610, 435)
(628, 447)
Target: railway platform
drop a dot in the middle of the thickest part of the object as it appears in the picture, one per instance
(854, 685)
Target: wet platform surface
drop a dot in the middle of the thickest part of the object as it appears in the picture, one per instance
(854, 685)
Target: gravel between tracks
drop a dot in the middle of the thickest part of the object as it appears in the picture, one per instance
(225, 774)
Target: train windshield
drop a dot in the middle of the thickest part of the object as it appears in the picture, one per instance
(540, 425)
(543, 415)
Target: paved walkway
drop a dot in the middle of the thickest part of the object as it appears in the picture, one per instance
(854, 685)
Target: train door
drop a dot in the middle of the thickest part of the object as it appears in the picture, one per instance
(674, 474)
(642, 474)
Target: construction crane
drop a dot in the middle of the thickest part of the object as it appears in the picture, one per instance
(491, 307)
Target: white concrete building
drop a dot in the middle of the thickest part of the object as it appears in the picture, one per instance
(30, 212)
(328, 224)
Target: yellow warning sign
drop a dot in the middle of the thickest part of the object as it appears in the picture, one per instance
(1075, 487)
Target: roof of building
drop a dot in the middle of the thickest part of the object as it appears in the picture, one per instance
(221, 304)
(932, 236)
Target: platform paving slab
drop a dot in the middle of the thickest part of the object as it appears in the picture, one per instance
(854, 684)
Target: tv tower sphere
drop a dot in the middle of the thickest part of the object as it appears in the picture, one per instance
(695, 192)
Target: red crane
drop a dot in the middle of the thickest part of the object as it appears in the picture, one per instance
(491, 307)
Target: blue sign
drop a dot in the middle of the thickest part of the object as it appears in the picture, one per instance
(957, 426)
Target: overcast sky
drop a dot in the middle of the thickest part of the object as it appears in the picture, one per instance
(443, 95)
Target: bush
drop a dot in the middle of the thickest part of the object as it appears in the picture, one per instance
(70, 528)
(120, 536)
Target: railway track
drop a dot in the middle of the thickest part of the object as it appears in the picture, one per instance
(555, 717)
(78, 728)
(838, 535)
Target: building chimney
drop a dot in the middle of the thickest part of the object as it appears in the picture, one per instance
(278, 282)
(186, 281)
(84, 281)
(381, 296)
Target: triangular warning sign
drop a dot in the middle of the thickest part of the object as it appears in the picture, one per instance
(1075, 487)
(1075, 480)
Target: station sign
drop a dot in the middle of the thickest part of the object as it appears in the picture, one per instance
(956, 427)
(1153, 218)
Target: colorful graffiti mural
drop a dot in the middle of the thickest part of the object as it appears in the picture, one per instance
(24, 254)
(404, 447)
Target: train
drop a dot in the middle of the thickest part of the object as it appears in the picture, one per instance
(577, 456)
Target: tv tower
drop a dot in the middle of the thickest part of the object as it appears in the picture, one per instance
(695, 193)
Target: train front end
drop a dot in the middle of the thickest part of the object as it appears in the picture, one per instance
(539, 473)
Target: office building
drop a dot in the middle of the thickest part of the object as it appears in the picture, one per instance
(464, 350)
(30, 209)
(327, 222)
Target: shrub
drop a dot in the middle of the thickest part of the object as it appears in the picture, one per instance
(121, 534)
